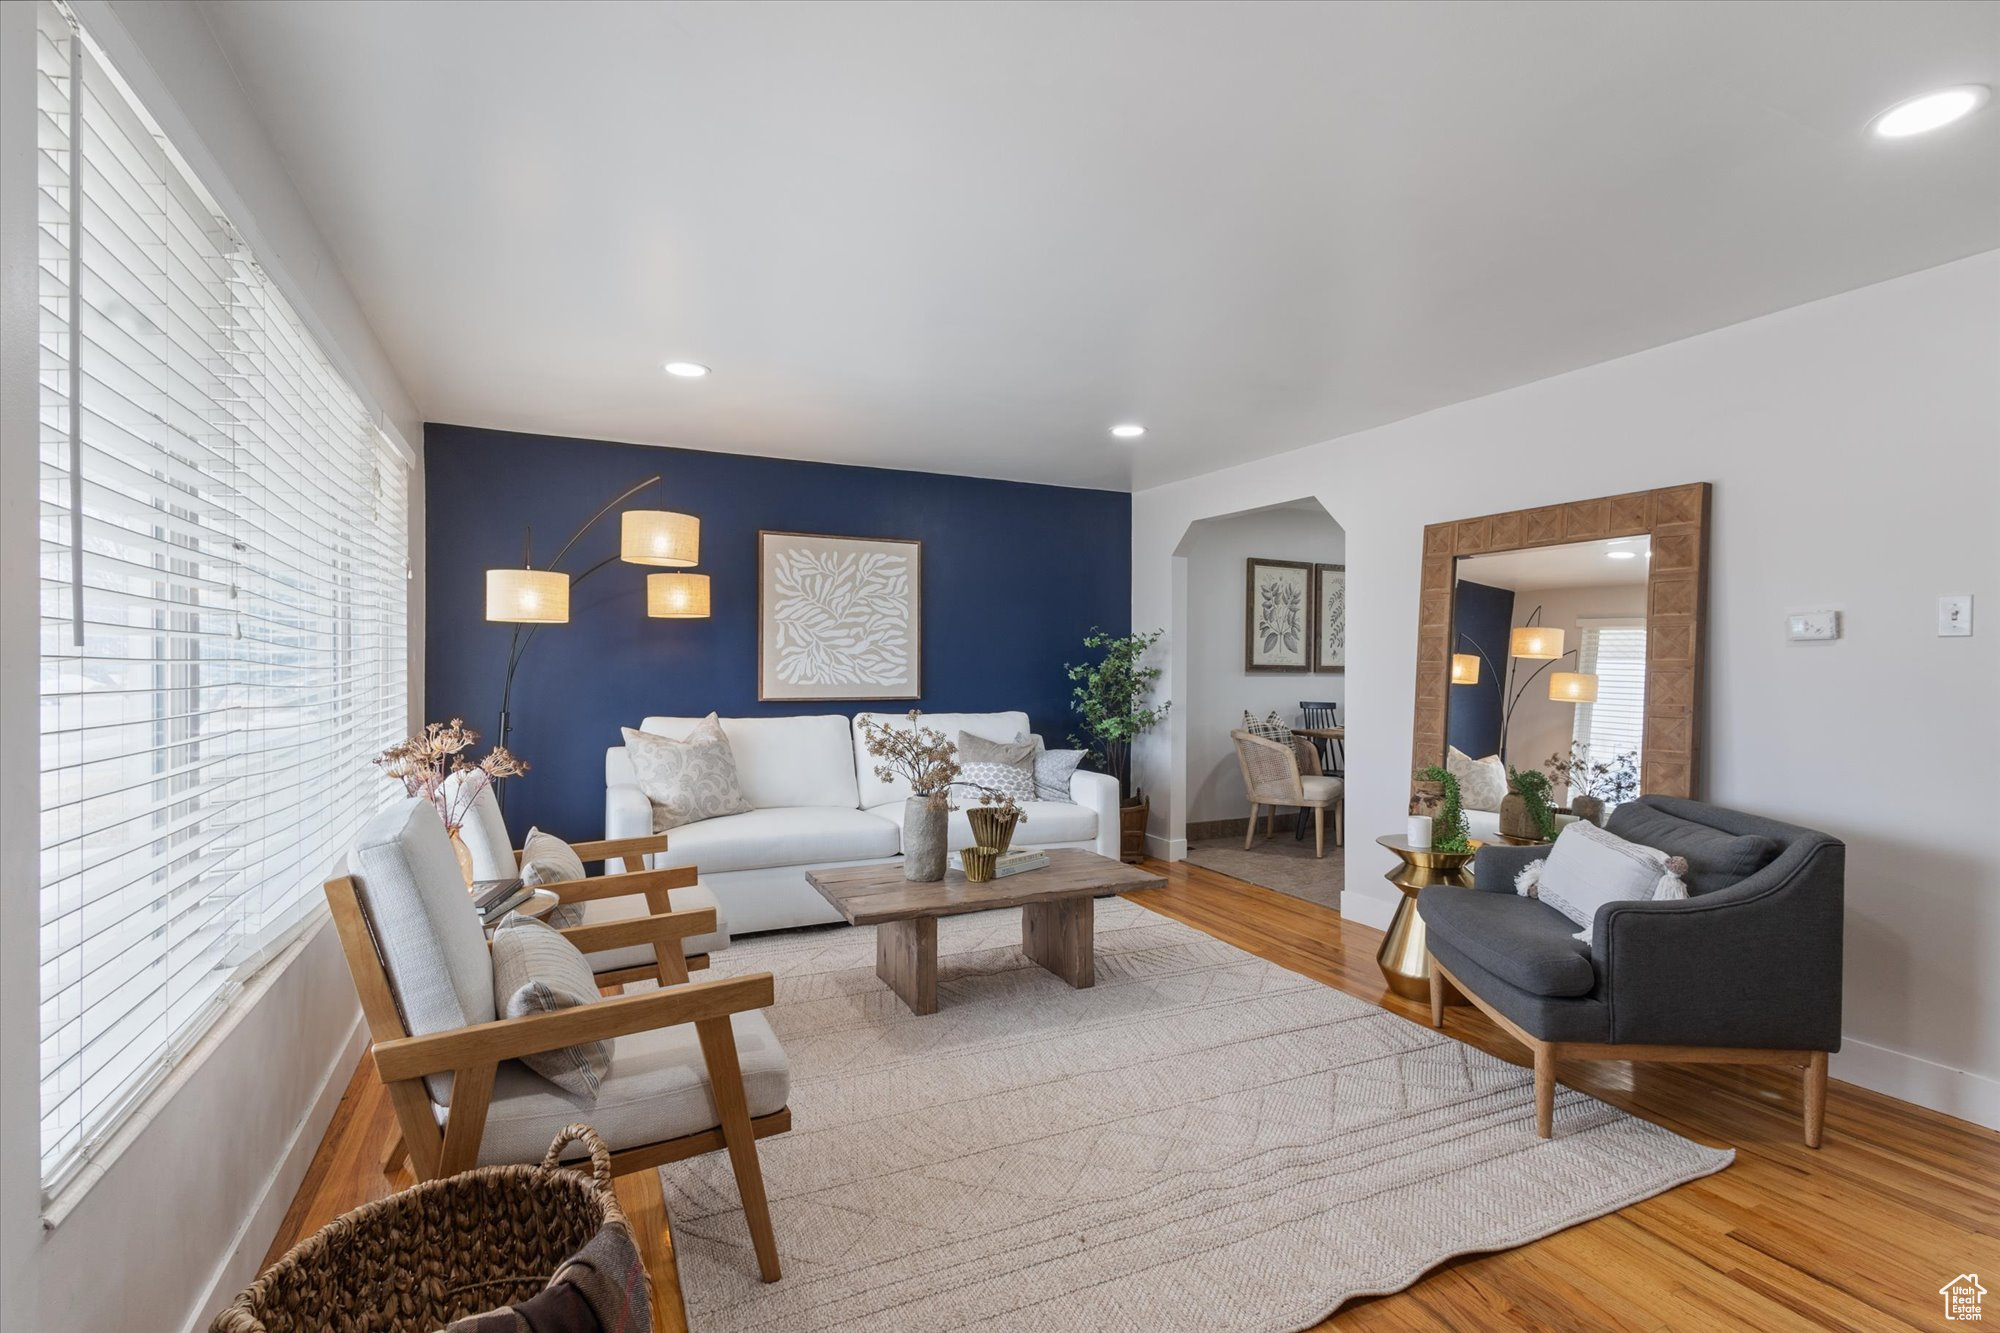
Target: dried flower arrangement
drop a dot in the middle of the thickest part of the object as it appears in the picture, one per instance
(927, 759)
(427, 761)
(1615, 781)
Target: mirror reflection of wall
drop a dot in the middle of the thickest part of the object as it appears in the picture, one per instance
(1550, 652)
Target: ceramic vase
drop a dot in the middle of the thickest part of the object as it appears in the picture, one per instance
(1515, 821)
(1587, 807)
(924, 829)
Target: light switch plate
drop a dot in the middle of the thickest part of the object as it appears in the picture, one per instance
(1812, 626)
(1955, 616)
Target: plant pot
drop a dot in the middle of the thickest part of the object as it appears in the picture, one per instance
(1515, 821)
(1132, 817)
(1426, 797)
(1588, 807)
(924, 831)
(992, 827)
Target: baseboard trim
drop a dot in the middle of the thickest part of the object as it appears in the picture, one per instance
(1166, 849)
(1911, 1078)
(1362, 905)
(245, 1257)
(1235, 828)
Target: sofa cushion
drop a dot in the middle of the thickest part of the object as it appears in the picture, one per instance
(690, 899)
(658, 1089)
(874, 791)
(799, 835)
(782, 760)
(1523, 942)
(1048, 824)
(1715, 859)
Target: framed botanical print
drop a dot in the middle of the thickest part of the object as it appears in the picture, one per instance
(1329, 618)
(1277, 615)
(838, 617)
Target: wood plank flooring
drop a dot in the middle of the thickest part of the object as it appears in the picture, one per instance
(1859, 1234)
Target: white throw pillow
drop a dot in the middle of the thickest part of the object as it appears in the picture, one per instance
(1482, 783)
(537, 971)
(687, 780)
(1053, 771)
(547, 859)
(1589, 867)
(1007, 767)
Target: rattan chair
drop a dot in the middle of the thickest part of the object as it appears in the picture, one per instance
(1273, 777)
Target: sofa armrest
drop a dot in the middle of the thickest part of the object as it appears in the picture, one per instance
(1099, 791)
(627, 813)
(1496, 865)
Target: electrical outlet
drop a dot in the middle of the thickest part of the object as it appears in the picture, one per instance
(1955, 616)
(1812, 626)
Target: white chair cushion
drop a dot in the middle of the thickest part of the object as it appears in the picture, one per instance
(484, 834)
(1048, 823)
(875, 792)
(691, 899)
(1319, 788)
(657, 1089)
(433, 948)
(789, 836)
(782, 760)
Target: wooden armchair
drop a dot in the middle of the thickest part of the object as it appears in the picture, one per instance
(696, 1067)
(1273, 776)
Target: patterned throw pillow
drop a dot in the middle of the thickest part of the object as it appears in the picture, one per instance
(1007, 767)
(537, 971)
(1053, 770)
(1270, 728)
(687, 780)
(1482, 783)
(547, 859)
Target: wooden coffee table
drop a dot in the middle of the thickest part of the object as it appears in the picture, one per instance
(1055, 902)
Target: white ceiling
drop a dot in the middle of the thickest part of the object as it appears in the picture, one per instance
(1578, 565)
(971, 237)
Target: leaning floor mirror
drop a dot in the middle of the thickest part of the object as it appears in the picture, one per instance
(1566, 640)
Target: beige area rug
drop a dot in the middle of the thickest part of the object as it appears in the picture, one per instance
(1280, 862)
(1202, 1141)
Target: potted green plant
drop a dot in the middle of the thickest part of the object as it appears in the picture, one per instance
(1525, 812)
(1111, 699)
(1437, 795)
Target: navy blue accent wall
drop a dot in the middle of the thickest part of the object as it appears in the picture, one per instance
(1014, 576)
(1482, 616)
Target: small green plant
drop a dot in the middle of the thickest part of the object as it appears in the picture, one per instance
(1532, 786)
(1449, 833)
(1110, 697)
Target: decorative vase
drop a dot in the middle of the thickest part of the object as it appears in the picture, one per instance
(1515, 821)
(1426, 797)
(993, 827)
(1132, 818)
(924, 828)
(1588, 807)
(463, 853)
(978, 863)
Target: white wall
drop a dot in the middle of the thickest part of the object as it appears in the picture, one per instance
(1218, 688)
(1541, 726)
(1854, 445)
(191, 1195)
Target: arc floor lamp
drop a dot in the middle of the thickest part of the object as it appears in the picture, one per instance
(1531, 642)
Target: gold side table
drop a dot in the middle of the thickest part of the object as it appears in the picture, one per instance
(1405, 963)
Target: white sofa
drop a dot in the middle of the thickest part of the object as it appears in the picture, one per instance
(819, 804)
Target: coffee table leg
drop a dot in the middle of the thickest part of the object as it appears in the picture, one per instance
(906, 960)
(1058, 936)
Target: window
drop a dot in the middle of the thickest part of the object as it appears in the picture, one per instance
(1615, 652)
(223, 605)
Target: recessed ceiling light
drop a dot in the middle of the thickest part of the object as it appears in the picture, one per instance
(1931, 111)
(687, 370)
(1621, 555)
(1128, 431)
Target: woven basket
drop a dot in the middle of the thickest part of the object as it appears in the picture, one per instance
(415, 1261)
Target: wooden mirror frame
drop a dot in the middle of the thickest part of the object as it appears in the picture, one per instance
(1676, 518)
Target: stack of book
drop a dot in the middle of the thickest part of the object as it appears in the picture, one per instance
(1010, 863)
(494, 898)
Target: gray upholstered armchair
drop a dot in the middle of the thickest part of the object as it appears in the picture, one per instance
(1745, 970)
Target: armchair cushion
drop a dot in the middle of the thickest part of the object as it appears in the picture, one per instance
(657, 1089)
(537, 971)
(1525, 943)
(1716, 858)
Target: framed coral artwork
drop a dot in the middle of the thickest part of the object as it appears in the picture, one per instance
(838, 617)
(1277, 615)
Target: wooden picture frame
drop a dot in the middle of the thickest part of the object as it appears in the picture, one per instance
(1269, 617)
(886, 614)
(1329, 657)
(1676, 518)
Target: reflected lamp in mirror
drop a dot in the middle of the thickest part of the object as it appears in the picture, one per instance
(1464, 669)
(677, 596)
(527, 596)
(1573, 687)
(659, 537)
(1536, 643)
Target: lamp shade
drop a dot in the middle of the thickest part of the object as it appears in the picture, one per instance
(1572, 687)
(1537, 643)
(659, 537)
(677, 596)
(527, 596)
(1464, 669)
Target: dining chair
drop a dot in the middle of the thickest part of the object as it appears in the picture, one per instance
(1332, 756)
(1272, 776)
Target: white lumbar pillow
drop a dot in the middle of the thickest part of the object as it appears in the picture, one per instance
(1589, 867)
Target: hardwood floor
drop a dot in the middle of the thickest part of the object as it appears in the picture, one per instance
(1859, 1234)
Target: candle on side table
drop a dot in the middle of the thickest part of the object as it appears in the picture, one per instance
(1420, 832)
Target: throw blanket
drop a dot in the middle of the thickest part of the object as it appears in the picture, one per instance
(601, 1289)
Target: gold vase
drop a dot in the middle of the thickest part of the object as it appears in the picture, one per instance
(978, 862)
(993, 826)
(463, 853)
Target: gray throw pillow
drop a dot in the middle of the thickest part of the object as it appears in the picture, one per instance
(687, 780)
(537, 971)
(1007, 767)
(1053, 770)
(547, 859)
